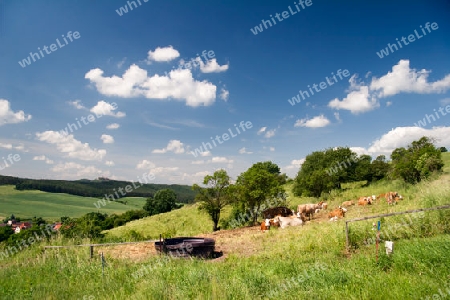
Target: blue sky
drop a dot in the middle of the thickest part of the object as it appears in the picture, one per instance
(149, 109)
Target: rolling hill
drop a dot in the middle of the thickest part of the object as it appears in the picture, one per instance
(52, 206)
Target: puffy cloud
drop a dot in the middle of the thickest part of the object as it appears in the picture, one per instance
(220, 159)
(403, 79)
(211, 66)
(357, 101)
(7, 116)
(126, 86)
(178, 84)
(107, 139)
(145, 164)
(174, 146)
(295, 164)
(6, 146)
(161, 54)
(402, 136)
(205, 153)
(224, 94)
(359, 150)
(113, 126)
(109, 163)
(106, 109)
(69, 145)
(43, 158)
(316, 122)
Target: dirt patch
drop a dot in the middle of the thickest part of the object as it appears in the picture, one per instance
(135, 252)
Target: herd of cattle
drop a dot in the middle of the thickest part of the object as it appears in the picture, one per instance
(284, 217)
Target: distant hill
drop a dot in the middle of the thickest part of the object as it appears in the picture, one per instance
(97, 188)
(52, 206)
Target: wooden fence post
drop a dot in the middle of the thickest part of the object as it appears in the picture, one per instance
(346, 235)
(91, 251)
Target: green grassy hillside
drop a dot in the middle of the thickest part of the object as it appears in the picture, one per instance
(308, 262)
(51, 206)
(185, 221)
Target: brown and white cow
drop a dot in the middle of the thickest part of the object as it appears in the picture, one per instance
(348, 203)
(337, 213)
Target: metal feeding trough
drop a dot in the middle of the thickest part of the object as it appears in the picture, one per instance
(187, 247)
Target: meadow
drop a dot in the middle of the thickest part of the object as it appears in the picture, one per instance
(309, 262)
(52, 206)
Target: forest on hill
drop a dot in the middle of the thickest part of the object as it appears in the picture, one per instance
(97, 188)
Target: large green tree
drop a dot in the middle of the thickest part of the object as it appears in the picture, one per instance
(215, 195)
(379, 168)
(163, 201)
(256, 185)
(325, 170)
(416, 162)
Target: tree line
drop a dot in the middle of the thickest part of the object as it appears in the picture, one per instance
(323, 171)
(97, 188)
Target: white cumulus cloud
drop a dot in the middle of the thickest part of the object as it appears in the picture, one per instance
(179, 84)
(162, 54)
(402, 79)
(316, 122)
(113, 126)
(106, 109)
(67, 144)
(107, 139)
(211, 66)
(174, 146)
(7, 116)
(145, 164)
(43, 158)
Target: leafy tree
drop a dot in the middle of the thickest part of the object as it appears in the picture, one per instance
(417, 161)
(38, 221)
(5, 233)
(256, 185)
(215, 196)
(443, 149)
(379, 167)
(163, 201)
(323, 171)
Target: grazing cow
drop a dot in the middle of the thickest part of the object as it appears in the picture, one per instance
(288, 221)
(348, 203)
(265, 225)
(390, 197)
(275, 211)
(338, 212)
(365, 201)
(309, 209)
